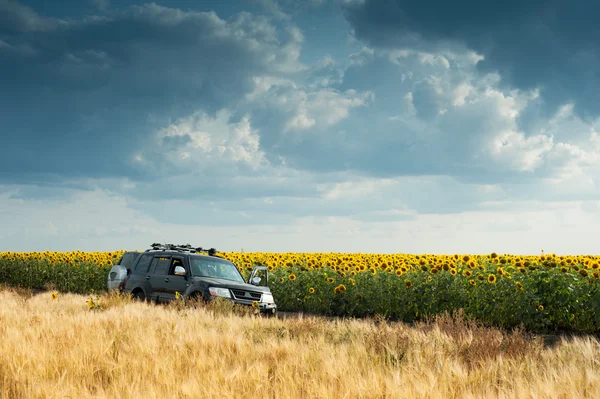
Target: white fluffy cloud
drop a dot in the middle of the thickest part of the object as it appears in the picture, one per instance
(211, 142)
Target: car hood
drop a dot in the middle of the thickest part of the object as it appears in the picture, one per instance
(218, 282)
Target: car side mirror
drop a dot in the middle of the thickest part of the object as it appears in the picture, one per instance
(179, 271)
(255, 280)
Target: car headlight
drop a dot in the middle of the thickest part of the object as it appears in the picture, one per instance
(222, 292)
(267, 298)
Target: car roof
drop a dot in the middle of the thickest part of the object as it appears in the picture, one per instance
(181, 253)
(183, 250)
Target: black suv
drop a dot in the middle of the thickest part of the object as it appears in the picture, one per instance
(161, 273)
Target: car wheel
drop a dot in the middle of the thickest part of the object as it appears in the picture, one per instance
(139, 296)
(194, 300)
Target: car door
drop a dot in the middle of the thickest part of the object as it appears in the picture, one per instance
(176, 283)
(140, 275)
(159, 279)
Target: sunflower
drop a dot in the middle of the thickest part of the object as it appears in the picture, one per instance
(519, 285)
(399, 272)
(408, 283)
(583, 273)
(330, 279)
(540, 307)
(466, 258)
(340, 289)
(472, 282)
(281, 280)
(311, 290)
(453, 272)
(491, 279)
(54, 295)
(467, 273)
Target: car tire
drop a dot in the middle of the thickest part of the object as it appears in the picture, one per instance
(139, 296)
(194, 300)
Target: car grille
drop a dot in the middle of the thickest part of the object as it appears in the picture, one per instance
(246, 295)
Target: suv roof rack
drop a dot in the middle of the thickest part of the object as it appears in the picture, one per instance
(180, 248)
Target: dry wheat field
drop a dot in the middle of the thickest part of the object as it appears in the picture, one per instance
(55, 345)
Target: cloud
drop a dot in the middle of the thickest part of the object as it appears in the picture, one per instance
(96, 221)
(273, 7)
(422, 113)
(397, 114)
(86, 95)
(16, 18)
(531, 44)
(101, 4)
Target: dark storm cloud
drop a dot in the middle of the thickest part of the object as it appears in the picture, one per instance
(80, 97)
(551, 44)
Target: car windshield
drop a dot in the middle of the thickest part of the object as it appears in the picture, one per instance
(202, 267)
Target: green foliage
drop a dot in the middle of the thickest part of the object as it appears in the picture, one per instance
(37, 274)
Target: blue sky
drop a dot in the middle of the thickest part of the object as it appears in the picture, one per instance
(316, 125)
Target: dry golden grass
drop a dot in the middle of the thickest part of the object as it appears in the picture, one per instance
(59, 348)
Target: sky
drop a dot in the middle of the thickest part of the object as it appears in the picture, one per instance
(389, 126)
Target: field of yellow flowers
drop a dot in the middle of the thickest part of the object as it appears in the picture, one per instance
(542, 292)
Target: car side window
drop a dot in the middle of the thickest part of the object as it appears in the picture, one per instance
(162, 267)
(128, 259)
(153, 264)
(144, 263)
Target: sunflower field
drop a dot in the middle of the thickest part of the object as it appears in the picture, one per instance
(542, 293)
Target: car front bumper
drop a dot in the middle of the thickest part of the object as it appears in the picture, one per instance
(268, 308)
(264, 307)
